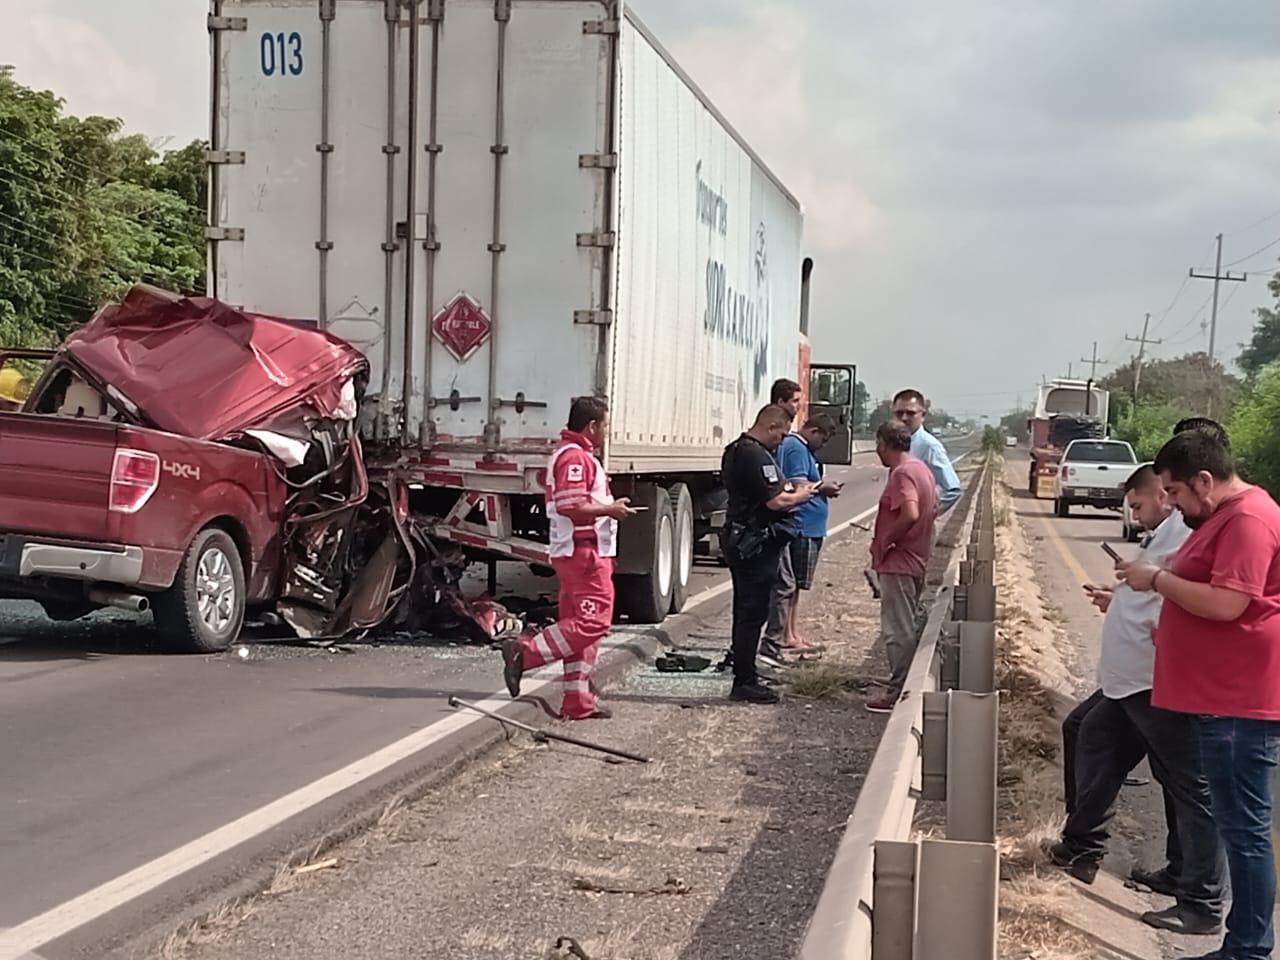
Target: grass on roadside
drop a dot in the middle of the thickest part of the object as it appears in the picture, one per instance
(828, 680)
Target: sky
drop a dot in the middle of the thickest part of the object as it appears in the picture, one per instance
(989, 187)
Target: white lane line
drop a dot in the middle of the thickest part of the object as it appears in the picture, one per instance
(18, 943)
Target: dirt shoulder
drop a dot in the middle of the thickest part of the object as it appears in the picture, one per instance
(1045, 664)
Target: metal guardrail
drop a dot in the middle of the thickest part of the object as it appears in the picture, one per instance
(887, 896)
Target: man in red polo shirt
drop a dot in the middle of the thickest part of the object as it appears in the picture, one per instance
(1218, 658)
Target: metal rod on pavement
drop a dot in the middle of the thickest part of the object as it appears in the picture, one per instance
(547, 734)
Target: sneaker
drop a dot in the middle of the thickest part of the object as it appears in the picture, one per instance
(1083, 868)
(754, 693)
(775, 658)
(726, 663)
(1157, 881)
(512, 665)
(882, 705)
(1180, 920)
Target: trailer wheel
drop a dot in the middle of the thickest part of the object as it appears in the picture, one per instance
(646, 597)
(204, 609)
(1061, 508)
(682, 507)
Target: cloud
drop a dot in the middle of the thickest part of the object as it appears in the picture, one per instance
(755, 65)
(70, 57)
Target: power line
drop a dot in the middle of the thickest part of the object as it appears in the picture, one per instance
(1217, 277)
(1257, 223)
(1255, 253)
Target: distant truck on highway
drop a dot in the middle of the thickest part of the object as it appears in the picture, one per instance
(1065, 410)
(1093, 473)
(505, 204)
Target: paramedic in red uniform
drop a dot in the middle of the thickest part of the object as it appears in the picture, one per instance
(583, 519)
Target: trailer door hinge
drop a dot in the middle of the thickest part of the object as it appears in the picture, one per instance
(502, 10)
(599, 318)
(596, 238)
(435, 11)
(226, 23)
(597, 161)
(606, 27)
(224, 233)
(224, 156)
(328, 9)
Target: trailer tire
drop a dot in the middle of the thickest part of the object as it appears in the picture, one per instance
(682, 557)
(646, 597)
(204, 609)
(1061, 508)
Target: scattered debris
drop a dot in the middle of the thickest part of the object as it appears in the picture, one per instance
(712, 848)
(542, 736)
(681, 663)
(673, 886)
(329, 864)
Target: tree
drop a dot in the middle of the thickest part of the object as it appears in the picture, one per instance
(861, 397)
(1015, 424)
(85, 212)
(1264, 347)
(1188, 381)
(1146, 426)
(1254, 437)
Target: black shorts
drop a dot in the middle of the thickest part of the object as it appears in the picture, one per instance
(804, 560)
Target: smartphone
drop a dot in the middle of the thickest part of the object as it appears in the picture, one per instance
(1106, 548)
(639, 509)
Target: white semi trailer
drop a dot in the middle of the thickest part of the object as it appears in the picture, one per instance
(507, 204)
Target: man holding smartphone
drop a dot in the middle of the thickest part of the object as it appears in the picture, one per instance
(1109, 733)
(798, 462)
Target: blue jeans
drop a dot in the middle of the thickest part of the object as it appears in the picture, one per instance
(1239, 757)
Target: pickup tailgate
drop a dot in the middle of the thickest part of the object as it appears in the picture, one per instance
(55, 476)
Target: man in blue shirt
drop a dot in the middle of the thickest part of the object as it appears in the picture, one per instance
(909, 407)
(797, 462)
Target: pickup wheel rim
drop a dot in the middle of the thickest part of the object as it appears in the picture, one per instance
(215, 590)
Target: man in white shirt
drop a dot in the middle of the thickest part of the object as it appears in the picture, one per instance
(1109, 734)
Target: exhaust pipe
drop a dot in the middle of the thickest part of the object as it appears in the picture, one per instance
(133, 602)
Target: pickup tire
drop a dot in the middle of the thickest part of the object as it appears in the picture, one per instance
(204, 609)
(1061, 508)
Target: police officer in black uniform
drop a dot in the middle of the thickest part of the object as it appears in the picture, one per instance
(756, 529)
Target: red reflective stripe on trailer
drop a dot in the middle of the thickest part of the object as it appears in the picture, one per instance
(444, 479)
(435, 461)
(538, 556)
(501, 466)
(469, 539)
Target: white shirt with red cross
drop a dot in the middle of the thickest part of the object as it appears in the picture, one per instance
(574, 478)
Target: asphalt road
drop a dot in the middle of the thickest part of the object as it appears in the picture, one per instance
(121, 763)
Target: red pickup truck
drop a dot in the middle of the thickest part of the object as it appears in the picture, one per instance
(181, 455)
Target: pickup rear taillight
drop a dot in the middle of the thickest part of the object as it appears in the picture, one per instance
(135, 476)
(1064, 471)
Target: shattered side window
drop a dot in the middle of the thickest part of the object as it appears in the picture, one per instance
(69, 395)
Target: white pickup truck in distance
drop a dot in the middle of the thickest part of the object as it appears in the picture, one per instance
(1093, 473)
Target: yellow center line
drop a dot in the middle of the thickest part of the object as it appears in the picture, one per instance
(1067, 556)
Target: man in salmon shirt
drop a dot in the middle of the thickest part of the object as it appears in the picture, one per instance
(1218, 658)
(900, 549)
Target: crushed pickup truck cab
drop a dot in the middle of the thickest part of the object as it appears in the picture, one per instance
(185, 456)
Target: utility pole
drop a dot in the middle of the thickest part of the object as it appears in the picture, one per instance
(1217, 277)
(1069, 376)
(1094, 361)
(1142, 342)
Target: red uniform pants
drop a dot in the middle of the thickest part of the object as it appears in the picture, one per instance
(586, 612)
